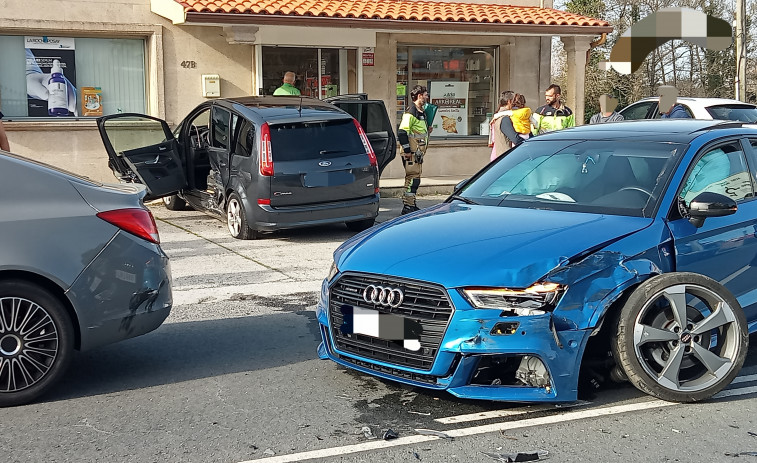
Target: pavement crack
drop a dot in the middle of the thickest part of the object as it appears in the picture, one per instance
(85, 424)
(225, 248)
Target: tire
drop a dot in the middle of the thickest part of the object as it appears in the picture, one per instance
(360, 225)
(236, 219)
(675, 362)
(174, 203)
(31, 320)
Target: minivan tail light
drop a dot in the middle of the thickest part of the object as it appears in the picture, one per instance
(266, 156)
(138, 222)
(366, 143)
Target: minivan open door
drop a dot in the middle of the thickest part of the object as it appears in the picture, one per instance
(372, 116)
(142, 149)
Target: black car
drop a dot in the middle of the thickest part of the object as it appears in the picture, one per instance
(261, 163)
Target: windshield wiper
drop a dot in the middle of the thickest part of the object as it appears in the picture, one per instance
(463, 199)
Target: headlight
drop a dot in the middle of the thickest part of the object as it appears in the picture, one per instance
(332, 271)
(534, 300)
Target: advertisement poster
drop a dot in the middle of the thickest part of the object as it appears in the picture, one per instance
(452, 116)
(91, 101)
(50, 76)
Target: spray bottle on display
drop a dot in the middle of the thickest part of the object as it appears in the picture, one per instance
(57, 101)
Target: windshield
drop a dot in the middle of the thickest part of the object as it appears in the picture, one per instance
(597, 176)
(734, 112)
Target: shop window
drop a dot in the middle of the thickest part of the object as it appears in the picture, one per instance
(311, 78)
(68, 77)
(461, 81)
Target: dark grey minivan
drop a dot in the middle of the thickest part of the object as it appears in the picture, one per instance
(261, 163)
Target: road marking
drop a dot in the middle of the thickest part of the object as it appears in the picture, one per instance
(491, 414)
(476, 430)
(744, 379)
(508, 412)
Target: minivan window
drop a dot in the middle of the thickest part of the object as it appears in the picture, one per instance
(244, 137)
(315, 140)
(220, 128)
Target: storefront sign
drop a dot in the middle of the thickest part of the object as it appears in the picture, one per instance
(50, 76)
(451, 98)
(368, 56)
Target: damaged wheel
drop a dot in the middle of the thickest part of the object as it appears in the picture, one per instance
(681, 337)
(36, 341)
(237, 219)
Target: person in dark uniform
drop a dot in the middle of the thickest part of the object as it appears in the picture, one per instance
(413, 136)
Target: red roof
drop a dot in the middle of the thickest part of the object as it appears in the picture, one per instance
(395, 10)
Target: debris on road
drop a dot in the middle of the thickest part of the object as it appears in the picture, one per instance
(407, 397)
(390, 434)
(676, 431)
(419, 413)
(431, 432)
(741, 454)
(519, 456)
(418, 457)
(367, 432)
(269, 453)
(753, 434)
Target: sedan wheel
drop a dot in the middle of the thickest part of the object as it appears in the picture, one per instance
(681, 337)
(237, 220)
(36, 340)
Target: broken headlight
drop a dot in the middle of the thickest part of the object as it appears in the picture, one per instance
(537, 299)
(332, 271)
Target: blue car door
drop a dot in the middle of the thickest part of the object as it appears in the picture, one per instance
(724, 248)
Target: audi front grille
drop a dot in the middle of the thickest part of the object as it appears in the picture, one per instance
(423, 302)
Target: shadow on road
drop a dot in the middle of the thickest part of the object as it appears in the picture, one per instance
(178, 352)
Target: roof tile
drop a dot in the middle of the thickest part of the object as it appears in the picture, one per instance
(395, 9)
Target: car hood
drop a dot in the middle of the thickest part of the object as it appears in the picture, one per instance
(457, 245)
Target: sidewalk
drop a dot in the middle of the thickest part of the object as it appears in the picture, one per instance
(394, 187)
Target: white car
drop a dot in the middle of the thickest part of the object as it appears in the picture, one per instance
(698, 108)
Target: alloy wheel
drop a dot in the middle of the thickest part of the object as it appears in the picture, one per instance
(234, 217)
(29, 343)
(687, 338)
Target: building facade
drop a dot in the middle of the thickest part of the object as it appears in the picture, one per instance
(163, 57)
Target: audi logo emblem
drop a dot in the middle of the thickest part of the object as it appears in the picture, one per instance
(380, 295)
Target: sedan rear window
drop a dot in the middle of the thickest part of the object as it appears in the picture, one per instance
(315, 140)
(733, 112)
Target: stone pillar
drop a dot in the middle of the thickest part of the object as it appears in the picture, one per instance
(576, 48)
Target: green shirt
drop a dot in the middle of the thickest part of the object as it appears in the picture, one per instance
(414, 121)
(287, 89)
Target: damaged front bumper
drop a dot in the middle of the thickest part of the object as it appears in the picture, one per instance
(482, 355)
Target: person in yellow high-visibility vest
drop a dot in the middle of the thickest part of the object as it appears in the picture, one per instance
(413, 137)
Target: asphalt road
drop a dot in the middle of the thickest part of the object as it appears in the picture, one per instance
(233, 376)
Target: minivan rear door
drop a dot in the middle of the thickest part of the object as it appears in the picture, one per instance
(319, 161)
(372, 116)
(142, 149)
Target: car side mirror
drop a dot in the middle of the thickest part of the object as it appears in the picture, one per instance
(709, 204)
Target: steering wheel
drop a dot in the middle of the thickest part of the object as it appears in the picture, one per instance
(636, 188)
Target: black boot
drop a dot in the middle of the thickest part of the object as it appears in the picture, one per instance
(408, 209)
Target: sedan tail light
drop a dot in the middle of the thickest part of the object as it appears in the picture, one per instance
(138, 222)
(366, 143)
(266, 157)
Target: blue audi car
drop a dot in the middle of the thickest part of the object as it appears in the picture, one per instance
(626, 248)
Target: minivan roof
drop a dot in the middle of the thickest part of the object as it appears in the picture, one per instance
(289, 107)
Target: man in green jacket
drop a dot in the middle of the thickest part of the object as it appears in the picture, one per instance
(288, 88)
(413, 136)
(554, 115)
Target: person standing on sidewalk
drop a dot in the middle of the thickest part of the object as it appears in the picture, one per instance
(554, 115)
(413, 137)
(287, 88)
(4, 145)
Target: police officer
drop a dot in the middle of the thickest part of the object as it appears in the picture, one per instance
(413, 136)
